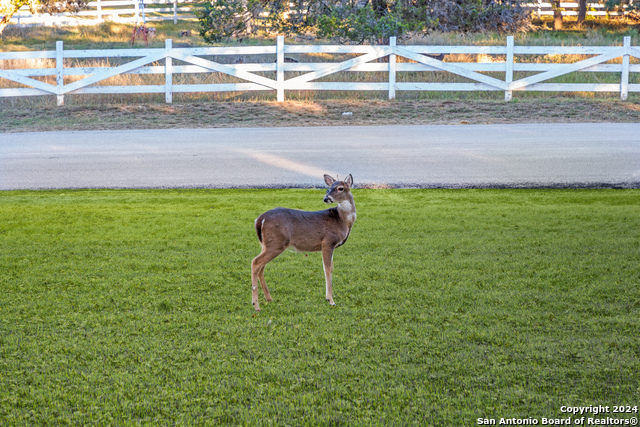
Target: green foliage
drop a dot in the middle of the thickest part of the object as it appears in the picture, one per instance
(480, 16)
(349, 22)
(226, 18)
(627, 6)
(292, 16)
(363, 24)
(133, 307)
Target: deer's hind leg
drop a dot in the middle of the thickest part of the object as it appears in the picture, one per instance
(257, 272)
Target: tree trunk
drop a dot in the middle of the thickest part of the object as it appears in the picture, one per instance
(4, 22)
(582, 11)
(557, 15)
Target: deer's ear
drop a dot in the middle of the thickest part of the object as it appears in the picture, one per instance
(328, 180)
(349, 180)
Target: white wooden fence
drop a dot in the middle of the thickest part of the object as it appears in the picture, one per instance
(123, 11)
(284, 75)
(570, 8)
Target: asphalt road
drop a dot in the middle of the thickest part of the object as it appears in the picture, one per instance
(540, 155)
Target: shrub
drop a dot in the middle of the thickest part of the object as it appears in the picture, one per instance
(476, 16)
(360, 25)
(223, 19)
(349, 21)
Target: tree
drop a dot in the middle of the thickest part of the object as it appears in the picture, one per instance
(226, 18)
(222, 19)
(9, 7)
(359, 20)
(627, 8)
(366, 24)
(557, 15)
(582, 11)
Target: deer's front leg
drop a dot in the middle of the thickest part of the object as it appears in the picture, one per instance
(254, 286)
(327, 260)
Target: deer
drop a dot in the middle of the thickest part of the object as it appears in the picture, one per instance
(305, 231)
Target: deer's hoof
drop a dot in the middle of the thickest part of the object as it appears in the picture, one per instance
(269, 299)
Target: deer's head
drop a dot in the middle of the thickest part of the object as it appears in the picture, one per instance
(338, 191)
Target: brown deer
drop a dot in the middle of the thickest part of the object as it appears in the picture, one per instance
(305, 231)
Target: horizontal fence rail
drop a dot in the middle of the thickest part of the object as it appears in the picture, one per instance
(282, 68)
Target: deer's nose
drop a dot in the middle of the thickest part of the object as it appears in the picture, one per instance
(328, 199)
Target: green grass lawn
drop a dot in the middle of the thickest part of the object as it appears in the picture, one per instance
(134, 307)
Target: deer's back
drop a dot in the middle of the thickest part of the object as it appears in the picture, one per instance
(303, 230)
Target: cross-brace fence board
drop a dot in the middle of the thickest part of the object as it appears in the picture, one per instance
(121, 69)
(443, 66)
(335, 68)
(221, 68)
(37, 84)
(569, 68)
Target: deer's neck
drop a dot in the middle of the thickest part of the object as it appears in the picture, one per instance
(347, 211)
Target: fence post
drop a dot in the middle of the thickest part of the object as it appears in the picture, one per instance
(144, 18)
(168, 72)
(279, 68)
(99, 11)
(508, 78)
(624, 81)
(175, 11)
(392, 69)
(60, 71)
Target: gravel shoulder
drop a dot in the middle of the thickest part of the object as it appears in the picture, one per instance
(216, 114)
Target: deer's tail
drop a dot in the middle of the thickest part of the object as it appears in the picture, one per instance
(259, 222)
